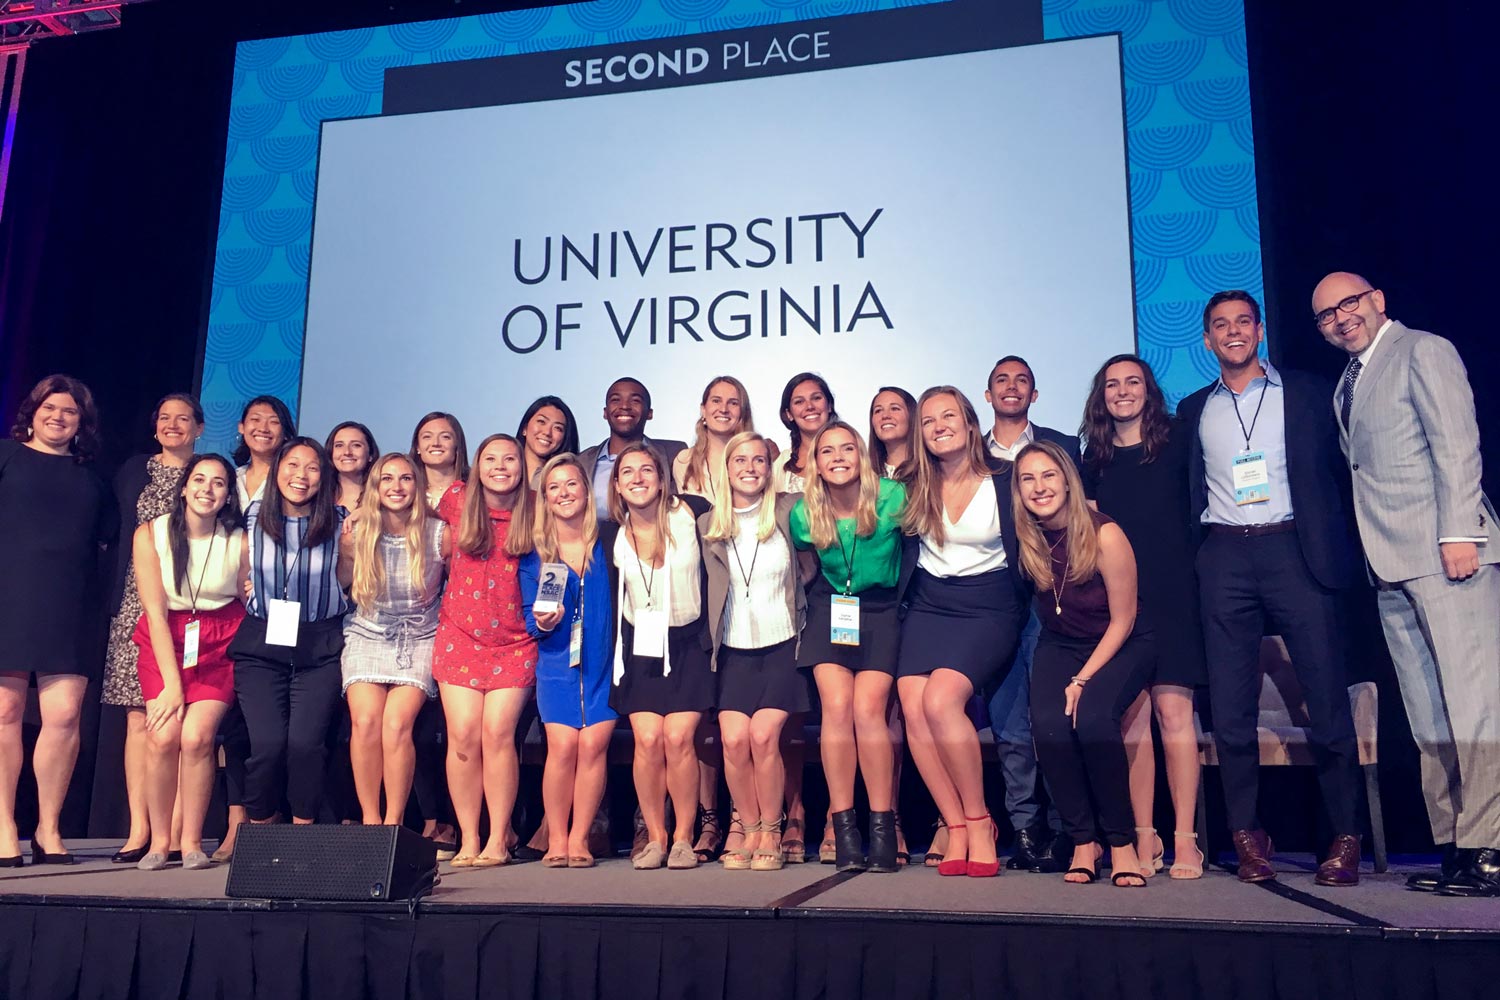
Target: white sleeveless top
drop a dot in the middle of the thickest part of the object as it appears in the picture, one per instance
(973, 544)
(215, 561)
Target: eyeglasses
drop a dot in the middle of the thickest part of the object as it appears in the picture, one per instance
(1348, 305)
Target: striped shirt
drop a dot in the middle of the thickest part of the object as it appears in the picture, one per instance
(286, 571)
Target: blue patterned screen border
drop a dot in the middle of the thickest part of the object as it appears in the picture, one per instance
(1194, 218)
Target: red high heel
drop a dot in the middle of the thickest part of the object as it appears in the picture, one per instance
(953, 866)
(983, 869)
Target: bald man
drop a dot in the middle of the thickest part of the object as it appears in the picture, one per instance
(1407, 427)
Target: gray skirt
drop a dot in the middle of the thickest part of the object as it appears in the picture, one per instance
(400, 656)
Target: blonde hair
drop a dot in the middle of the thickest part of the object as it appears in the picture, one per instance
(476, 534)
(544, 525)
(370, 584)
(821, 523)
(1082, 538)
(721, 525)
(924, 497)
(698, 475)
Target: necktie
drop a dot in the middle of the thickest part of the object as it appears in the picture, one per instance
(1350, 377)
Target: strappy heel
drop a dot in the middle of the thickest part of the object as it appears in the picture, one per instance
(953, 866)
(982, 869)
(768, 859)
(739, 859)
(710, 836)
(1149, 868)
(1181, 869)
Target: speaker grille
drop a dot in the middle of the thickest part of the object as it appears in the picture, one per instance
(338, 863)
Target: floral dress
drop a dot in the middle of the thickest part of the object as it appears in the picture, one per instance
(122, 685)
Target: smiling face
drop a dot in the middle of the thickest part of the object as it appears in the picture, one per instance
(351, 452)
(723, 411)
(397, 486)
(262, 430)
(837, 457)
(437, 444)
(749, 469)
(625, 408)
(890, 418)
(545, 431)
(176, 425)
(206, 488)
(1011, 391)
(1233, 335)
(944, 431)
(500, 468)
(57, 420)
(808, 408)
(1124, 390)
(565, 492)
(638, 480)
(298, 477)
(1348, 312)
(1044, 488)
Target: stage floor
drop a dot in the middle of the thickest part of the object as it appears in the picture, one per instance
(1291, 903)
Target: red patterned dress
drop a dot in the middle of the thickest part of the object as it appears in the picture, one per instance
(482, 642)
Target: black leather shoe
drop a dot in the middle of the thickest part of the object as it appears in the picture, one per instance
(1031, 845)
(41, 857)
(1055, 856)
(883, 842)
(851, 858)
(130, 857)
(1453, 862)
(1479, 878)
(11, 862)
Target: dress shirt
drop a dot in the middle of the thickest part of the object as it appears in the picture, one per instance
(604, 466)
(998, 450)
(1223, 438)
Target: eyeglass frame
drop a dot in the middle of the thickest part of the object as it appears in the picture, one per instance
(1323, 317)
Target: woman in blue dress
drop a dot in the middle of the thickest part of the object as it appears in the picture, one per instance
(575, 655)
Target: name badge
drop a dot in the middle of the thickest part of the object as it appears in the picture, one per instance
(575, 644)
(843, 617)
(1252, 481)
(282, 619)
(190, 645)
(650, 633)
(550, 587)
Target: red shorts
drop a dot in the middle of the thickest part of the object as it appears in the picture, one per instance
(213, 678)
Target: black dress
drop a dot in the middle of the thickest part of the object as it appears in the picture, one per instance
(1149, 501)
(56, 516)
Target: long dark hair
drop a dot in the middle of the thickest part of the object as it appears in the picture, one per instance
(323, 521)
(569, 444)
(1097, 430)
(228, 518)
(460, 447)
(288, 426)
(907, 470)
(370, 446)
(793, 462)
(85, 444)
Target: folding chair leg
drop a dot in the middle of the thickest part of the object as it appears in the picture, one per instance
(1377, 820)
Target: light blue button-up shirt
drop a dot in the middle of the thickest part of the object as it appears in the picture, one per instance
(1222, 435)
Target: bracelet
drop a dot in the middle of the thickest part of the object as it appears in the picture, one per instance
(1080, 681)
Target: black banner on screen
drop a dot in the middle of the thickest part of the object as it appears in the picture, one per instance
(735, 54)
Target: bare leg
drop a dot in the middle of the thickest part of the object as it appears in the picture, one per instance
(366, 712)
(135, 779)
(682, 770)
(958, 748)
(1179, 741)
(588, 784)
(836, 736)
(463, 709)
(739, 769)
(398, 752)
(502, 764)
(930, 766)
(12, 707)
(649, 768)
(195, 784)
(897, 727)
(1141, 760)
(872, 691)
(60, 696)
(163, 752)
(770, 773)
(559, 775)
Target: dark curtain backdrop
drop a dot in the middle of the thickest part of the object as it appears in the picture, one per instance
(1372, 122)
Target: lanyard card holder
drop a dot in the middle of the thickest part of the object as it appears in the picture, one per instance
(190, 645)
(282, 619)
(843, 618)
(650, 633)
(1251, 478)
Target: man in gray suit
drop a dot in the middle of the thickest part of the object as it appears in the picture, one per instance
(627, 408)
(1406, 422)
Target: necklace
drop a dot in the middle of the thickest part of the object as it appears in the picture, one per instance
(1059, 580)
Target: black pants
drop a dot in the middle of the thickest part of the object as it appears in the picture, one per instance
(1257, 586)
(1083, 760)
(288, 695)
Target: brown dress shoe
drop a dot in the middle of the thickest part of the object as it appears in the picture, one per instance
(1341, 867)
(1254, 849)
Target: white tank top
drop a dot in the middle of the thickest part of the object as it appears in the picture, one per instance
(214, 561)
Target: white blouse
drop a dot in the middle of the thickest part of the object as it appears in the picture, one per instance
(973, 545)
(756, 615)
(677, 589)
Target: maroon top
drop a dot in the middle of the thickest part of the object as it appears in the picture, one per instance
(1085, 606)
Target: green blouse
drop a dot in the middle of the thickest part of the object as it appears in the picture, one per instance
(866, 563)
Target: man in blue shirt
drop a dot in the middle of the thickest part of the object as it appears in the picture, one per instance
(1277, 554)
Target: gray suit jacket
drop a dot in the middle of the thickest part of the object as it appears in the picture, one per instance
(1413, 450)
(665, 447)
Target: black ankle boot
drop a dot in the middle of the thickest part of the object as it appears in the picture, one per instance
(846, 837)
(883, 842)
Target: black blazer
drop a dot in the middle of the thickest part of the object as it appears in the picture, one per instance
(1068, 443)
(131, 480)
(911, 546)
(1317, 475)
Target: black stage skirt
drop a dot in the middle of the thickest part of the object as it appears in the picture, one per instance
(879, 631)
(752, 679)
(971, 624)
(688, 688)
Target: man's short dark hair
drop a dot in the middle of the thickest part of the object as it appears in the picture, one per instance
(1233, 295)
(1006, 360)
(626, 378)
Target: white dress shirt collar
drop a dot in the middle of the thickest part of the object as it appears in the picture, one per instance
(1364, 356)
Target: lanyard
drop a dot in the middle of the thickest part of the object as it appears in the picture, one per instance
(640, 564)
(286, 579)
(1234, 399)
(734, 544)
(194, 592)
(848, 555)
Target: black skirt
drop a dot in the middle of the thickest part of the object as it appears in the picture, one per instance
(688, 688)
(971, 624)
(879, 631)
(753, 679)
